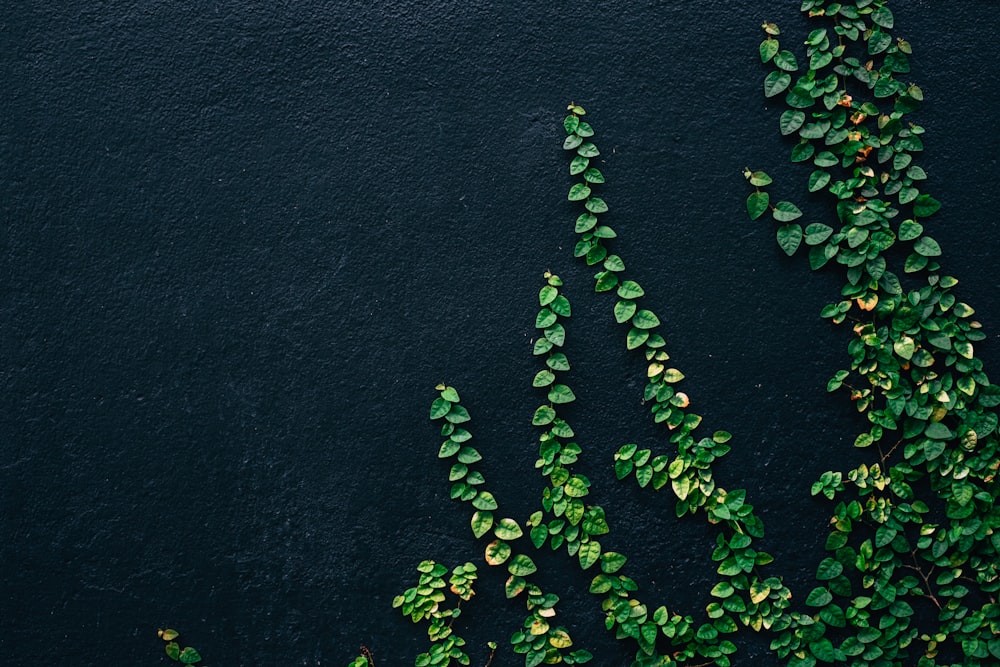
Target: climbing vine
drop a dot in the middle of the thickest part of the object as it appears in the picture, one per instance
(911, 571)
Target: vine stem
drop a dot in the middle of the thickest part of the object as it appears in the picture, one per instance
(925, 577)
(368, 655)
(489, 662)
(454, 616)
(884, 457)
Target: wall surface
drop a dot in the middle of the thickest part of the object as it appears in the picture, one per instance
(242, 241)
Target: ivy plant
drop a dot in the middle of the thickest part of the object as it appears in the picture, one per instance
(911, 571)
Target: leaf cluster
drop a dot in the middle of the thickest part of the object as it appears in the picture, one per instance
(186, 655)
(425, 600)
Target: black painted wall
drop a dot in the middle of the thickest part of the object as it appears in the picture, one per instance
(242, 241)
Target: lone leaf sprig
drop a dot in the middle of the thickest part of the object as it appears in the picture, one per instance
(186, 655)
(911, 574)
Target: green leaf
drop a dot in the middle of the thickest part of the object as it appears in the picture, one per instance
(828, 569)
(457, 414)
(825, 159)
(596, 205)
(173, 650)
(557, 334)
(819, 597)
(482, 521)
(507, 529)
(672, 375)
(768, 49)
(485, 501)
(543, 415)
(818, 180)
(560, 393)
(585, 222)
(448, 448)
(547, 295)
(542, 345)
(590, 553)
(636, 337)
(439, 408)
(786, 211)
(925, 206)
(577, 486)
(789, 238)
(883, 17)
(816, 37)
(169, 634)
(927, 247)
(799, 97)
(593, 175)
(786, 60)
(578, 192)
(469, 455)
(759, 592)
(757, 203)
(791, 120)
(572, 141)
(817, 233)
(560, 306)
(909, 230)
(904, 347)
(759, 179)
(578, 165)
(606, 281)
(823, 650)
(914, 263)
(624, 310)
(629, 289)
(543, 379)
(938, 431)
(645, 319)
(189, 656)
(723, 589)
(558, 362)
(878, 42)
(614, 263)
(776, 82)
(588, 150)
(497, 552)
(545, 319)
(802, 151)
(611, 562)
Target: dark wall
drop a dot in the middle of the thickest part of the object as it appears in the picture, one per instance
(242, 242)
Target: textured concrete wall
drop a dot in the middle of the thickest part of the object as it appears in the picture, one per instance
(242, 242)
